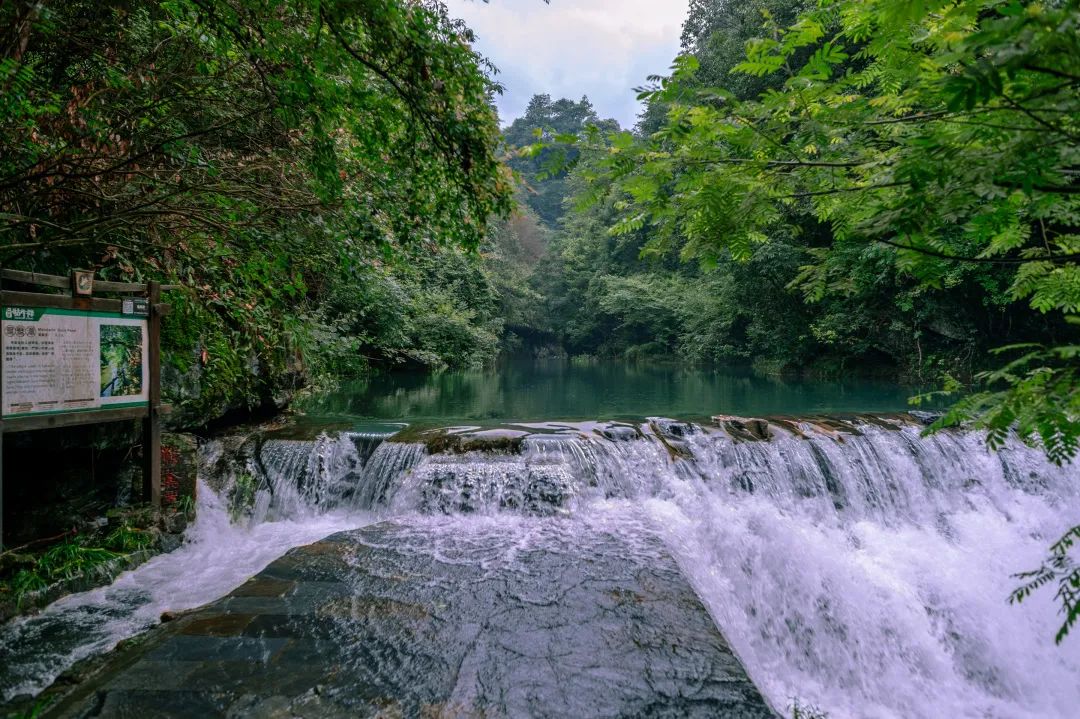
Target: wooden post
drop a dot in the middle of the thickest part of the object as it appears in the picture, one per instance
(152, 423)
(1, 483)
(1, 447)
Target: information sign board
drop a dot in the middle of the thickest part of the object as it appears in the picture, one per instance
(67, 360)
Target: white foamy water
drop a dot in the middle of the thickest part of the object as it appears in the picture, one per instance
(216, 557)
(870, 578)
(866, 574)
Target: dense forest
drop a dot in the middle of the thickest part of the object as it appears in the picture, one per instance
(854, 188)
(870, 203)
(820, 190)
(318, 175)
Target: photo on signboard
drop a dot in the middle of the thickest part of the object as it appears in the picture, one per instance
(121, 360)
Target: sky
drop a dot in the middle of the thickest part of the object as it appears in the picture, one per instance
(600, 48)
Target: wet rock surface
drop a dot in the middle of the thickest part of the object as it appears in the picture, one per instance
(436, 617)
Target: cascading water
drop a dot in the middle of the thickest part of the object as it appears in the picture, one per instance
(300, 485)
(301, 476)
(854, 566)
(869, 575)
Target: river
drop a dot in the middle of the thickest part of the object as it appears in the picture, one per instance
(558, 389)
(853, 564)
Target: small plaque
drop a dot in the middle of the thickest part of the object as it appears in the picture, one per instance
(82, 281)
(137, 307)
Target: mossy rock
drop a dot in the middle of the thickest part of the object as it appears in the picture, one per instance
(179, 468)
(745, 429)
(447, 441)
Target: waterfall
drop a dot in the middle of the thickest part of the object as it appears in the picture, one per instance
(854, 565)
(384, 472)
(868, 573)
(272, 478)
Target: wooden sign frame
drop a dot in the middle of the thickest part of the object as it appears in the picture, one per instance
(71, 299)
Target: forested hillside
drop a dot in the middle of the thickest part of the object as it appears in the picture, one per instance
(665, 289)
(542, 177)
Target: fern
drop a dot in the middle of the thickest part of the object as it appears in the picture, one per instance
(1059, 567)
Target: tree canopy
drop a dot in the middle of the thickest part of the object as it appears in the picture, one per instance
(542, 175)
(264, 154)
(190, 118)
(942, 136)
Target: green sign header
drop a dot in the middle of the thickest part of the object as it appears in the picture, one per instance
(24, 314)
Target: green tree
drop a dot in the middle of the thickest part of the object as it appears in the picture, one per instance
(715, 33)
(880, 320)
(941, 138)
(544, 182)
(948, 141)
(260, 153)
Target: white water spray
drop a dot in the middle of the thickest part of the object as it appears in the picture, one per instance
(217, 556)
(864, 572)
(869, 578)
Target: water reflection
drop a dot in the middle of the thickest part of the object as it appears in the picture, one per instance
(535, 390)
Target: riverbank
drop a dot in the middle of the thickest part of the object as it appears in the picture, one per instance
(104, 527)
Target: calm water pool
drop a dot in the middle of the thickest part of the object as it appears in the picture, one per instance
(528, 390)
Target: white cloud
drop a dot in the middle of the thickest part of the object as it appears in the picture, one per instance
(570, 48)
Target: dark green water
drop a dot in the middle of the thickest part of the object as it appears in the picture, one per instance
(526, 390)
